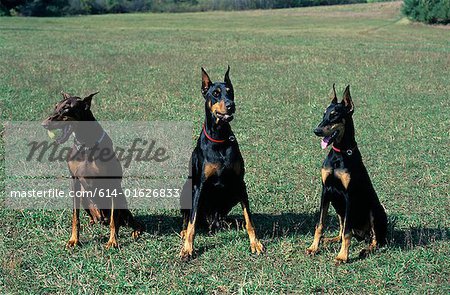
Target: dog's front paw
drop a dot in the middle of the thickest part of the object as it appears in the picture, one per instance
(340, 259)
(111, 243)
(186, 254)
(72, 243)
(257, 247)
(183, 233)
(312, 251)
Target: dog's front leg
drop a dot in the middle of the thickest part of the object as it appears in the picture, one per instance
(188, 238)
(113, 227)
(255, 244)
(75, 238)
(324, 205)
(346, 234)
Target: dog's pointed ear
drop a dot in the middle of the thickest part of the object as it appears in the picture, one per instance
(65, 95)
(88, 100)
(347, 99)
(332, 94)
(206, 81)
(228, 83)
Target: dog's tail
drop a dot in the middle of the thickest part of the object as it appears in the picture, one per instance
(380, 223)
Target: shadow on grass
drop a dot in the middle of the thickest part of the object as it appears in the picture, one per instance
(413, 237)
(273, 226)
(268, 226)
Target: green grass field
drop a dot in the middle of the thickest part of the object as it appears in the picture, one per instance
(283, 63)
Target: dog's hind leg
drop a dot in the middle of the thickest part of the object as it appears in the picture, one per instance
(127, 219)
(378, 226)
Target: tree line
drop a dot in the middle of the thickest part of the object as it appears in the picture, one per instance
(428, 11)
(75, 7)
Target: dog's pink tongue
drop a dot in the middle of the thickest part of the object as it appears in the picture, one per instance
(324, 142)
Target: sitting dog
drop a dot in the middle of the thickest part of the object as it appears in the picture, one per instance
(217, 169)
(89, 171)
(346, 183)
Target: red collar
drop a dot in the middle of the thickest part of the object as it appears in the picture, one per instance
(349, 152)
(336, 149)
(210, 138)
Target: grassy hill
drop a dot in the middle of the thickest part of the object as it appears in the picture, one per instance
(283, 63)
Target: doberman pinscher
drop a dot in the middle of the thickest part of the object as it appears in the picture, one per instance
(88, 170)
(346, 183)
(217, 169)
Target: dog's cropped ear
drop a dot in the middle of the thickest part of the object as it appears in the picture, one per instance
(65, 95)
(347, 99)
(88, 100)
(206, 82)
(228, 83)
(332, 94)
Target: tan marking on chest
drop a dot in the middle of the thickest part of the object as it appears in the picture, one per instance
(325, 173)
(85, 169)
(210, 169)
(343, 176)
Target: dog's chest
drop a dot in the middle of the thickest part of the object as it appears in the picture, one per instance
(330, 176)
(221, 169)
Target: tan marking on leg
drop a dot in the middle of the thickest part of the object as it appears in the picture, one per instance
(342, 257)
(113, 230)
(343, 176)
(75, 237)
(325, 173)
(314, 248)
(210, 169)
(255, 244)
(188, 244)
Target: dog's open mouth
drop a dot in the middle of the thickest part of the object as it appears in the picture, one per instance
(63, 134)
(327, 140)
(224, 117)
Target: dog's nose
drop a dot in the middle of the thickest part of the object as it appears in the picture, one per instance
(318, 131)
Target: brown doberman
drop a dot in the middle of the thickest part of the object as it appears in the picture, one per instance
(91, 172)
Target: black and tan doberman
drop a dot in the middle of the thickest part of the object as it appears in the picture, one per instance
(346, 183)
(91, 172)
(217, 169)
